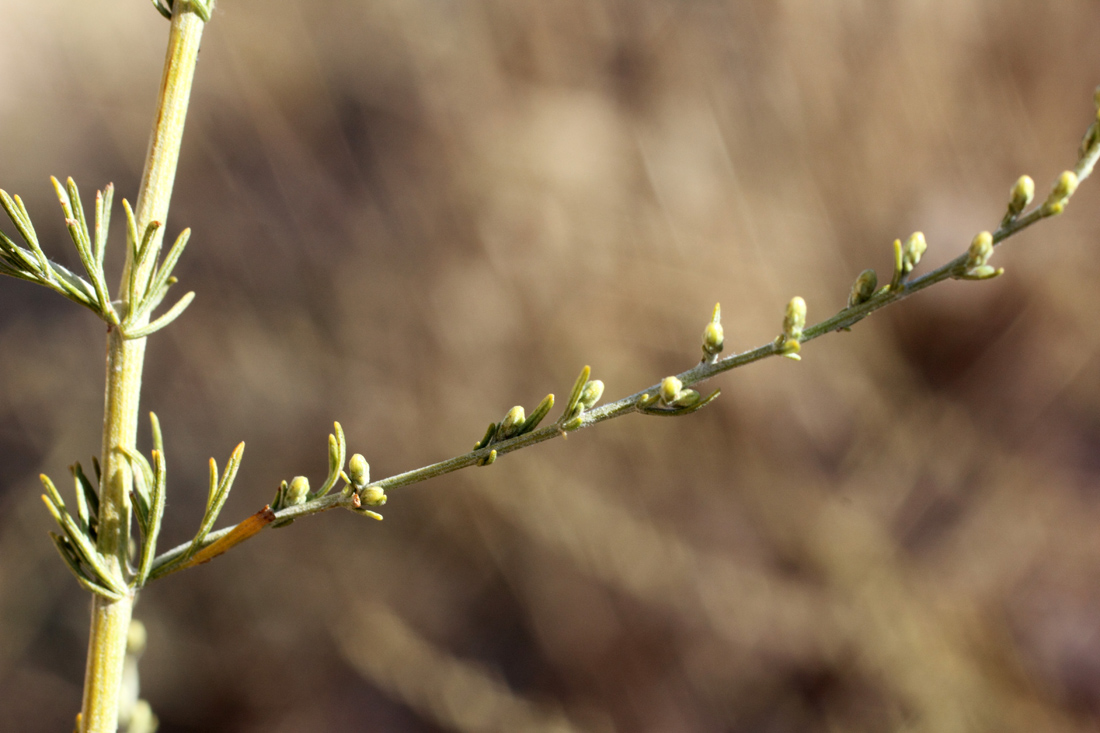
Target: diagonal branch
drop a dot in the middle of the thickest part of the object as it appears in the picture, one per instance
(968, 265)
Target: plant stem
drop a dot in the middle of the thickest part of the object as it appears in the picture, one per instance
(125, 360)
(844, 319)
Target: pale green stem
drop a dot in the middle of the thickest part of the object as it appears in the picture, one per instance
(844, 319)
(125, 360)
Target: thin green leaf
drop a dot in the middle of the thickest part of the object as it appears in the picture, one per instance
(139, 464)
(537, 415)
(91, 498)
(170, 259)
(73, 208)
(489, 433)
(149, 543)
(132, 249)
(154, 298)
(337, 453)
(159, 283)
(68, 555)
(575, 395)
(81, 543)
(213, 490)
(54, 510)
(148, 251)
(78, 209)
(162, 10)
(55, 495)
(172, 314)
(158, 436)
(74, 218)
(17, 212)
(72, 286)
(103, 202)
(218, 497)
(82, 512)
(139, 264)
(140, 497)
(21, 259)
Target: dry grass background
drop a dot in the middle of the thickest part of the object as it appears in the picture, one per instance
(411, 215)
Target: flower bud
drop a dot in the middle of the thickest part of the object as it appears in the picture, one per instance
(1063, 189)
(591, 394)
(713, 335)
(912, 251)
(1065, 185)
(1022, 193)
(511, 422)
(981, 249)
(373, 496)
(795, 318)
(863, 288)
(670, 389)
(358, 471)
(297, 491)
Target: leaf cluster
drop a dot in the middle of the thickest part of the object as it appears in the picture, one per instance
(145, 285)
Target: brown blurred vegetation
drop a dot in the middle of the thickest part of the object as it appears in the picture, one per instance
(410, 216)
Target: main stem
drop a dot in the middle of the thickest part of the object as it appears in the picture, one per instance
(125, 361)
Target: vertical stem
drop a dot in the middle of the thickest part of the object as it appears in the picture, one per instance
(125, 360)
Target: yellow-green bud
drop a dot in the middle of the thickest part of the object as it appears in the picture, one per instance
(1065, 185)
(591, 394)
(1022, 193)
(912, 251)
(863, 288)
(984, 272)
(511, 422)
(981, 249)
(790, 348)
(373, 496)
(358, 471)
(1063, 189)
(795, 318)
(297, 491)
(670, 389)
(714, 338)
(713, 335)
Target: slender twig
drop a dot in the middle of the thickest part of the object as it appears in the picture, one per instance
(707, 369)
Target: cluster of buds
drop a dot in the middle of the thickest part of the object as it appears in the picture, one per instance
(906, 257)
(584, 396)
(297, 491)
(1060, 193)
(794, 320)
(673, 394)
(713, 336)
(516, 422)
(359, 478)
(977, 265)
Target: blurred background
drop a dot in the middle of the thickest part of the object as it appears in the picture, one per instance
(409, 216)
